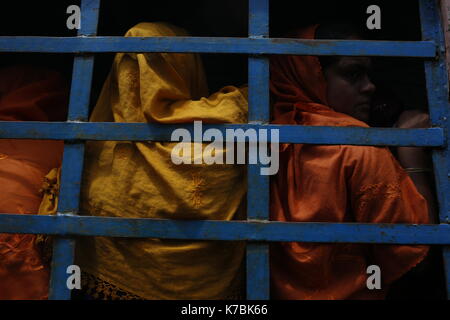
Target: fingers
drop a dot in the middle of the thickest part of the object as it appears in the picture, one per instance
(413, 119)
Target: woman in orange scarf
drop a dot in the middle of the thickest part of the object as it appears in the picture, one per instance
(26, 94)
(338, 183)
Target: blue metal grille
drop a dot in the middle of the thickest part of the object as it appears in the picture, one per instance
(257, 230)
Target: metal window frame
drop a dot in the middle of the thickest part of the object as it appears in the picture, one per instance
(257, 230)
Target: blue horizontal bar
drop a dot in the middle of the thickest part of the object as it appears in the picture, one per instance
(67, 225)
(423, 49)
(433, 137)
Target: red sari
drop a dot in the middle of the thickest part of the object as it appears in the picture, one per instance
(26, 94)
(341, 183)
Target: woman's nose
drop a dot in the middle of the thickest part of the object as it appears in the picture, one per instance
(368, 87)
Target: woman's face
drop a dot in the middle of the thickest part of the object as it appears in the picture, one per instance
(349, 89)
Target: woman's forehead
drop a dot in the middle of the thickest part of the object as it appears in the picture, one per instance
(365, 62)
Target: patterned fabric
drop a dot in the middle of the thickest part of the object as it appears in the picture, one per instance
(94, 288)
(98, 289)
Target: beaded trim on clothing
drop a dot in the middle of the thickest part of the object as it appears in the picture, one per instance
(99, 289)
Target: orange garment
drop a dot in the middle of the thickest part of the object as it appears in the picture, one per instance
(26, 94)
(334, 183)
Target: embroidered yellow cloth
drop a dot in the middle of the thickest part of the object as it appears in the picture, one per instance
(138, 179)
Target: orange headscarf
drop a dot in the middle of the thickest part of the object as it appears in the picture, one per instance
(26, 94)
(341, 183)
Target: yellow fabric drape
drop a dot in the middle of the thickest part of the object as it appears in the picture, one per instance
(50, 190)
(138, 179)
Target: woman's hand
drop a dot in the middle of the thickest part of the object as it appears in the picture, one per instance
(413, 157)
(410, 119)
(417, 157)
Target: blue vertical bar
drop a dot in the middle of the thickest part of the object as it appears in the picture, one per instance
(437, 91)
(258, 25)
(258, 284)
(83, 67)
(84, 64)
(72, 168)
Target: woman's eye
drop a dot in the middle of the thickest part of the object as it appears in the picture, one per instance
(353, 75)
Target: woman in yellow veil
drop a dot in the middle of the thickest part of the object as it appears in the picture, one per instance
(139, 180)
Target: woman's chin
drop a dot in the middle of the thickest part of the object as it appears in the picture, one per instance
(362, 116)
